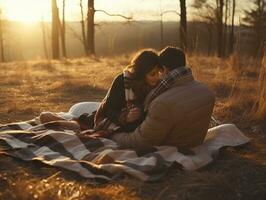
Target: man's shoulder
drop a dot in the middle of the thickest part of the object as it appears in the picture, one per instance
(176, 90)
(176, 93)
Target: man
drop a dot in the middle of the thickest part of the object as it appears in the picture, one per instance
(178, 110)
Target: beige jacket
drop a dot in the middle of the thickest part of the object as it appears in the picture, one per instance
(178, 117)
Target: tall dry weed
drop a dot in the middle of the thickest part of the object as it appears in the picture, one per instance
(234, 86)
(259, 108)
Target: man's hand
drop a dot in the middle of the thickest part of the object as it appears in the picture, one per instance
(133, 115)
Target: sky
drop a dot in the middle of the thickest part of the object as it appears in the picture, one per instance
(37, 10)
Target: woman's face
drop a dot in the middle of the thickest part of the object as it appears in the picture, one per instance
(152, 78)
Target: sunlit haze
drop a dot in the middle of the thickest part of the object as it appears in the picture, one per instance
(37, 10)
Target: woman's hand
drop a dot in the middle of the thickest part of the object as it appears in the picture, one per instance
(133, 114)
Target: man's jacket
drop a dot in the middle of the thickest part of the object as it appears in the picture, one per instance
(178, 117)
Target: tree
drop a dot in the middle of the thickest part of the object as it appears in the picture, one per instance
(256, 17)
(213, 13)
(44, 39)
(63, 30)
(55, 30)
(183, 24)
(232, 31)
(220, 27)
(2, 38)
(82, 21)
(91, 26)
(161, 25)
(225, 25)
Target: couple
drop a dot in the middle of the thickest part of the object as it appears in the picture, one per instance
(155, 101)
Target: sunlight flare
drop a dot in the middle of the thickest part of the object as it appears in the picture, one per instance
(26, 11)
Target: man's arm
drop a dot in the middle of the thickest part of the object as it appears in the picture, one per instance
(151, 132)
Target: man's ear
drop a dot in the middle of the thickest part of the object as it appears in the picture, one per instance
(162, 69)
(163, 72)
(166, 70)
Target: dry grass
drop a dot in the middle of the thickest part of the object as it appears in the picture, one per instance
(27, 88)
(239, 85)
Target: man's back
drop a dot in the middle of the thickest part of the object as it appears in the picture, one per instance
(188, 108)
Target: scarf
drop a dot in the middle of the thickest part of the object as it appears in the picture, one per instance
(104, 126)
(176, 76)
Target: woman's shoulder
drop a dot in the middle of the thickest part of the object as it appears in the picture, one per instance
(119, 78)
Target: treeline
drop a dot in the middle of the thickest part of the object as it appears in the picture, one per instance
(215, 34)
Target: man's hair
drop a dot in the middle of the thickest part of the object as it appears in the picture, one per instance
(172, 57)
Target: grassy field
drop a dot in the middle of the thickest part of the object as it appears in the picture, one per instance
(27, 88)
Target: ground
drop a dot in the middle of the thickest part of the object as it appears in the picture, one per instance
(28, 88)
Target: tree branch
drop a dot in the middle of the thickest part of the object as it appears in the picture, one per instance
(170, 11)
(76, 34)
(114, 15)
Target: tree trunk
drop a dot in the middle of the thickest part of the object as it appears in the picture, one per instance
(220, 5)
(183, 25)
(84, 39)
(55, 31)
(224, 53)
(1, 39)
(260, 29)
(90, 28)
(63, 32)
(210, 28)
(44, 40)
(232, 34)
(161, 26)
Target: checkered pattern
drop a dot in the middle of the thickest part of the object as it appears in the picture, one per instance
(175, 76)
(101, 159)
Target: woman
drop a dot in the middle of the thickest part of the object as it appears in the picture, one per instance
(122, 108)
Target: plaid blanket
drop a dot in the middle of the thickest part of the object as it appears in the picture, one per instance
(101, 159)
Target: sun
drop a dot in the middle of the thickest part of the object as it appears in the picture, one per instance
(26, 10)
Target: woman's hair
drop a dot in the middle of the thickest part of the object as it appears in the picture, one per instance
(140, 66)
(143, 63)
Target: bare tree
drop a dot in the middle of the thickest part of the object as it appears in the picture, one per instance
(91, 26)
(82, 21)
(63, 30)
(55, 30)
(232, 34)
(213, 13)
(183, 24)
(256, 17)
(226, 16)
(161, 25)
(44, 40)
(220, 27)
(2, 38)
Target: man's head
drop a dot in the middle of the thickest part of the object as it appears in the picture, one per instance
(172, 58)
